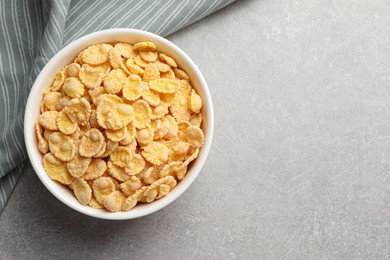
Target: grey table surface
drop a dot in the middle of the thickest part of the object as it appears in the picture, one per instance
(300, 162)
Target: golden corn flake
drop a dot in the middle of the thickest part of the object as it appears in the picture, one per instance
(102, 187)
(181, 74)
(181, 173)
(115, 58)
(196, 120)
(65, 124)
(50, 100)
(137, 165)
(148, 56)
(170, 169)
(78, 110)
(96, 93)
(156, 153)
(91, 143)
(130, 186)
(43, 145)
(94, 204)
(166, 86)
(131, 131)
(132, 146)
(192, 157)
(96, 54)
(144, 136)
(116, 135)
(47, 133)
(82, 191)
(170, 61)
(132, 200)
(162, 67)
(72, 70)
(167, 75)
(179, 108)
(134, 68)
(181, 147)
(95, 169)
(195, 136)
(110, 147)
(117, 172)
(61, 103)
(56, 169)
(48, 120)
(159, 111)
(142, 113)
(104, 68)
(132, 88)
(78, 165)
(62, 146)
(195, 103)
(122, 115)
(126, 50)
(144, 46)
(153, 192)
(121, 156)
(101, 151)
(58, 81)
(140, 62)
(113, 202)
(151, 72)
(114, 81)
(90, 76)
(73, 87)
(151, 97)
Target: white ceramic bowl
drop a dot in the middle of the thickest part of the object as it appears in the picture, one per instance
(66, 56)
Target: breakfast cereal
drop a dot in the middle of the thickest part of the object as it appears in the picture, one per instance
(120, 125)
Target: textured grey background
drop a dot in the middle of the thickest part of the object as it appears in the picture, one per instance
(299, 167)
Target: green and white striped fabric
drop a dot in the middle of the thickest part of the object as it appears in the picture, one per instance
(32, 31)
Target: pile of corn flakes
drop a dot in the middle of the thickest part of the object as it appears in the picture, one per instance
(120, 125)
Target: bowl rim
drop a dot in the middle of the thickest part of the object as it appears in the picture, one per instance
(156, 205)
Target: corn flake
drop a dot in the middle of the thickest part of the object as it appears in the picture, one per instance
(113, 202)
(43, 145)
(148, 56)
(78, 110)
(121, 156)
(142, 113)
(91, 143)
(73, 87)
(126, 50)
(117, 172)
(95, 169)
(50, 100)
(134, 68)
(82, 191)
(144, 46)
(116, 135)
(151, 72)
(78, 165)
(48, 120)
(58, 81)
(113, 83)
(102, 187)
(56, 169)
(156, 153)
(170, 61)
(90, 76)
(132, 88)
(62, 146)
(96, 54)
(65, 124)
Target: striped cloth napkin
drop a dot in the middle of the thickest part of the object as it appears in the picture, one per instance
(31, 32)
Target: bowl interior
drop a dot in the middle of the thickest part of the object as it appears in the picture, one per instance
(66, 56)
